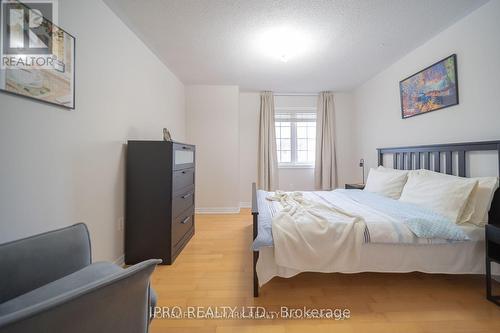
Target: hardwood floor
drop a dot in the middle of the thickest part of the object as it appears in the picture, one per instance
(215, 270)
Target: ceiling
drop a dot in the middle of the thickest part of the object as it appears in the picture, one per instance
(342, 43)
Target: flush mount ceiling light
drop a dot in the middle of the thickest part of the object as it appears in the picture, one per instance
(283, 43)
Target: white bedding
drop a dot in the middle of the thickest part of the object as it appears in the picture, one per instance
(388, 246)
(305, 237)
(380, 227)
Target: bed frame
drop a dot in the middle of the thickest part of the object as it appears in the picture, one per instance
(413, 158)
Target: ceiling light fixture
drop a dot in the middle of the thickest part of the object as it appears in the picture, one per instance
(283, 43)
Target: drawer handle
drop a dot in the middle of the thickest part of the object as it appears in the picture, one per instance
(186, 220)
(184, 147)
(185, 196)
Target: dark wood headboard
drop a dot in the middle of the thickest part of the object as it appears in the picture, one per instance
(419, 157)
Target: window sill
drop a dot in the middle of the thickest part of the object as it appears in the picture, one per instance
(296, 166)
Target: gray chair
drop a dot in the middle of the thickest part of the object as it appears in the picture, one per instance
(48, 283)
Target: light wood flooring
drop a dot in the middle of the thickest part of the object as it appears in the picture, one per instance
(215, 269)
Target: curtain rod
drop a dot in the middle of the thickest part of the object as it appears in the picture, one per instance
(296, 94)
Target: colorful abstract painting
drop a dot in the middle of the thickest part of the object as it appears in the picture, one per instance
(433, 88)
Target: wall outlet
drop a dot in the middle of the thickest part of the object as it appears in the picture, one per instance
(120, 224)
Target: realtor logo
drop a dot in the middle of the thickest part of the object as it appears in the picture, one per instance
(26, 33)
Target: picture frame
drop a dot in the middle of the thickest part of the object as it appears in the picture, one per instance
(54, 85)
(433, 88)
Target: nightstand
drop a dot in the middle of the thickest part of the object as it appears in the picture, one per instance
(492, 255)
(354, 186)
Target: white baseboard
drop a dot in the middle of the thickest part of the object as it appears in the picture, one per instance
(223, 210)
(217, 210)
(120, 261)
(245, 205)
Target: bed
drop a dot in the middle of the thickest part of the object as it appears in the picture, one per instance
(379, 251)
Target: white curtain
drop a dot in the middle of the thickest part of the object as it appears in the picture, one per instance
(268, 161)
(325, 169)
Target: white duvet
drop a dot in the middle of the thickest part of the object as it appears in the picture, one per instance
(305, 238)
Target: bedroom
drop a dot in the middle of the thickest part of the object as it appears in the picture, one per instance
(210, 72)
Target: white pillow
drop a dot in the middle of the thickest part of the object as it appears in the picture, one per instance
(479, 202)
(476, 209)
(387, 182)
(444, 194)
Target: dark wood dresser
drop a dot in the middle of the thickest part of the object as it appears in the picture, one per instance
(160, 184)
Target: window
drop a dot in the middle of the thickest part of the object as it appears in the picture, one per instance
(295, 138)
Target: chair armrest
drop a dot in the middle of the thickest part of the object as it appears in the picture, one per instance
(29, 263)
(116, 303)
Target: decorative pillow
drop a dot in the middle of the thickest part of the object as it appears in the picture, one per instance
(387, 182)
(477, 208)
(444, 194)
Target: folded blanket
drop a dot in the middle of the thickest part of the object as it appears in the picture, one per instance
(310, 235)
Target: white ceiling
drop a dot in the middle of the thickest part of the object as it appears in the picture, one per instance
(348, 41)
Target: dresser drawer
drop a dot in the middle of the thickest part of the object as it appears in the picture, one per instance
(182, 201)
(183, 156)
(182, 179)
(181, 225)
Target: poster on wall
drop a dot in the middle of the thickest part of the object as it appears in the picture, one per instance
(38, 57)
(431, 89)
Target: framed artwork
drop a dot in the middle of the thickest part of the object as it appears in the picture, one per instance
(431, 89)
(38, 57)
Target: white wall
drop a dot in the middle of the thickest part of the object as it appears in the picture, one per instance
(348, 170)
(60, 167)
(475, 40)
(212, 125)
(249, 139)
